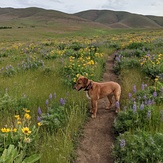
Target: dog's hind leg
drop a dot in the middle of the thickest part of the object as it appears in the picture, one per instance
(110, 98)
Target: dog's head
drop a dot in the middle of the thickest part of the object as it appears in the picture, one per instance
(81, 83)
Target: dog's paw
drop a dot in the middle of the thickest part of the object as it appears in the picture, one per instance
(93, 116)
(117, 110)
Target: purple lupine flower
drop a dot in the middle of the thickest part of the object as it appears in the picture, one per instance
(134, 88)
(144, 96)
(47, 102)
(39, 111)
(50, 96)
(142, 106)
(62, 101)
(148, 55)
(149, 102)
(143, 86)
(146, 102)
(117, 58)
(130, 95)
(55, 95)
(134, 107)
(149, 114)
(38, 119)
(122, 143)
(117, 104)
(154, 94)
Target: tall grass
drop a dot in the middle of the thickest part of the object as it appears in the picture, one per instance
(59, 148)
(129, 78)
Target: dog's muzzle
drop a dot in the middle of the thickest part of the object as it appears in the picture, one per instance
(76, 88)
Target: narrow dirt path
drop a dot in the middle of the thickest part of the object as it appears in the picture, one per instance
(97, 141)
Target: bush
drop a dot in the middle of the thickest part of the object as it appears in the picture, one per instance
(55, 116)
(139, 147)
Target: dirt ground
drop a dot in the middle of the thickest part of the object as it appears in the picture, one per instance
(96, 144)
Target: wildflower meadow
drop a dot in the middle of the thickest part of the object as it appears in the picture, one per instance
(139, 127)
(42, 116)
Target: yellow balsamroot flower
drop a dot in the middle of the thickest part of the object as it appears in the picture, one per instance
(88, 58)
(14, 130)
(86, 74)
(17, 117)
(92, 62)
(27, 140)
(77, 75)
(39, 124)
(19, 122)
(26, 130)
(26, 110)
(74, 80)
(27, 116)
(5, 130)
(157, 77)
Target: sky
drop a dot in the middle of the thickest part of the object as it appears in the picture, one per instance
(144, 7)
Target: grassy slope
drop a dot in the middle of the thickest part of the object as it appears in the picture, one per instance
(117, 18)
(36, 17)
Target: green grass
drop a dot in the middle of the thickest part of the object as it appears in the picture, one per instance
(129, 78)
(37, 84)
(59, 148)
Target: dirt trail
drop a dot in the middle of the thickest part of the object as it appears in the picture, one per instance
(97, 141)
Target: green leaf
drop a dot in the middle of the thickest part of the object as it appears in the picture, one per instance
(32, 158)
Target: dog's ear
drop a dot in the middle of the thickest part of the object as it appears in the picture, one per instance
(85, 80)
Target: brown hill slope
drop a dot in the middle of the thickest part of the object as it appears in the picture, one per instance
(91, 18)
(121, 19)
(41, 17)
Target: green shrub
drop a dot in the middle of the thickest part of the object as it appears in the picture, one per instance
(139, 147)
(11, 154)
(55, 116)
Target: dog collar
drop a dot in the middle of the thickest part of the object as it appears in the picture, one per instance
(89, 86)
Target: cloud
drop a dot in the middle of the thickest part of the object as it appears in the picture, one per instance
(145, 7)
(114, 4)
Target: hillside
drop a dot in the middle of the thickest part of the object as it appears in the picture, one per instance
(103, 19)
(37, 17)
(120, 19)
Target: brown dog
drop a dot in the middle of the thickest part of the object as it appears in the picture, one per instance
(96, 91)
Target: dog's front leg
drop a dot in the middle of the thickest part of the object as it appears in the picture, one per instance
(94, 108)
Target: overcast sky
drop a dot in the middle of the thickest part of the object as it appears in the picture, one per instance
(145, 7)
